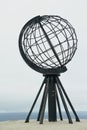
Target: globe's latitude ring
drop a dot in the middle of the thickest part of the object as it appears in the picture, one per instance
(47, 43)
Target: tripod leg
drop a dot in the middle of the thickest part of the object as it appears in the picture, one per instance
(76, 116)
(64, 103)
(38, 118)
(60, 113)
(27, 119)
(44, 102)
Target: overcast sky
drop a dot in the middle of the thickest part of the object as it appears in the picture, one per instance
(18, 82)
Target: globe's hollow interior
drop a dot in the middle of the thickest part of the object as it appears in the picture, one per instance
(49, 42)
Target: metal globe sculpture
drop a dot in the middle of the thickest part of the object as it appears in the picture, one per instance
(47, 43)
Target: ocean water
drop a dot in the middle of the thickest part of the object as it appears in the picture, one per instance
(23, 115)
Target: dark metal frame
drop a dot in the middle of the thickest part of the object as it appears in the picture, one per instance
(38, 37)
(52, 89)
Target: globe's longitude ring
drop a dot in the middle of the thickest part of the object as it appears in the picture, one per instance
(48, 43)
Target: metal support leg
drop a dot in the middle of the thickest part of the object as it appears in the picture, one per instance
(27, 119)
(38, 118)
(76, 116)
(64, 103)
(59, 108)
(44, 103)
